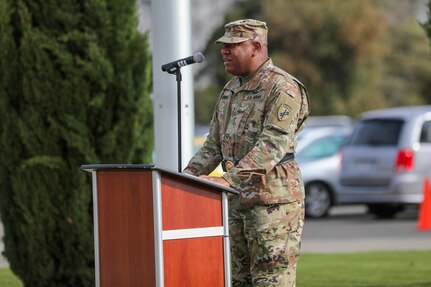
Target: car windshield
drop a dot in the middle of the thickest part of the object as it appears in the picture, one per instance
(381, 132)
(322, 147)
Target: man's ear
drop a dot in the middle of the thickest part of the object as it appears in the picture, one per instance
(257, 46)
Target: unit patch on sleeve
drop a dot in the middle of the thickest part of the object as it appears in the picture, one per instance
(284, 110)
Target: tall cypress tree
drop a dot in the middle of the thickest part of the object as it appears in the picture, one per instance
(74, 89)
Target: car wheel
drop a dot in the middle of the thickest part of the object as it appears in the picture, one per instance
(317, 200)
(384, 211)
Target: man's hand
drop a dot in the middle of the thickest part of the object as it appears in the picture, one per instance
(215, 179)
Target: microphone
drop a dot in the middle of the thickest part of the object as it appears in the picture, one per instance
(175, 65)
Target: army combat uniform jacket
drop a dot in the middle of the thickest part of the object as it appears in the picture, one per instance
(254, 125)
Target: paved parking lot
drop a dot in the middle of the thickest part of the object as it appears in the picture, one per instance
(351, 229)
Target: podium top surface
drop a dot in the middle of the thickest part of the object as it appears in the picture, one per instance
(117, 167)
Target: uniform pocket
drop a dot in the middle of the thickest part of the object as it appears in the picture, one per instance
(272, 233)
(241, 118)
(278, 220)
(237, 127)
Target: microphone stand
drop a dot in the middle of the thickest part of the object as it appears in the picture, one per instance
(175, 68)
(179, 79)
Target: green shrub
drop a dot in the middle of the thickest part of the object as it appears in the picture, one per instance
(74, 89)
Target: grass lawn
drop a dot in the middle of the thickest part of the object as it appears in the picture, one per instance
(8, 279)
(374, 269)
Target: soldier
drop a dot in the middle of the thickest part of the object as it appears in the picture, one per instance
(253, 134)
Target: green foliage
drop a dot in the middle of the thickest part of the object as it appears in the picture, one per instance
(427, 25)
(407, 67)
(331, 47)
(351, 55)
(206, 103)
(427, 28)
(74, 89)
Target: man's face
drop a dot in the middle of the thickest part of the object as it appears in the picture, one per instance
(237, 58)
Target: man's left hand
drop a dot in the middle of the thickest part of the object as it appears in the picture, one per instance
(215, 179)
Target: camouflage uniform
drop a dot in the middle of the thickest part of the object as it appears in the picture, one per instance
(254, 125)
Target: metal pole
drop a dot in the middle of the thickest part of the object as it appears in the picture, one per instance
(171, 39)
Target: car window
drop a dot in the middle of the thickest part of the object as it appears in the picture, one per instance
(426, 132)
(381, 132)
(322, 147)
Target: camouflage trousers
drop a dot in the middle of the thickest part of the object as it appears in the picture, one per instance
(265, 242)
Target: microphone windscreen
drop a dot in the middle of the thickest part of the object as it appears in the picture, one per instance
(198, 57)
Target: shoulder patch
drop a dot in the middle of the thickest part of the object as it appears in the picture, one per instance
(284, 110)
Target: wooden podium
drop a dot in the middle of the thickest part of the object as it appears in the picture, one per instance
(155, 227)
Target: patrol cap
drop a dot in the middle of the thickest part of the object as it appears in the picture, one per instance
(243, 30)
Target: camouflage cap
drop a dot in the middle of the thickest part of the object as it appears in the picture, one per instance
(243, 30)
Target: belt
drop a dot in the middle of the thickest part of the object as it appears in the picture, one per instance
(229, 164)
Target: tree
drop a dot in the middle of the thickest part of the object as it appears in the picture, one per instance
(407, 69)
(332, 47)
(427, 25)
(349, 54)
(406, 58)
(76, 78)
(427, 28)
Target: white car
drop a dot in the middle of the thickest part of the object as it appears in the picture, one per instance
(319, 158)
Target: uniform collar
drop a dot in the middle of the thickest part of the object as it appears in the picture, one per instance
(251, 81)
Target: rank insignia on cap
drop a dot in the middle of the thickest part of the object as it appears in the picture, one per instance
(283, 112)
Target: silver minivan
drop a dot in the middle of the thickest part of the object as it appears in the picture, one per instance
(386, 160)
